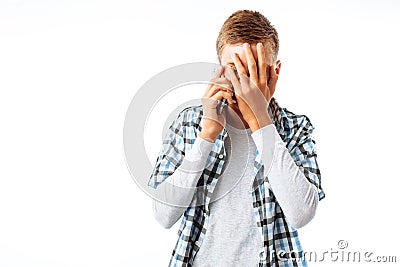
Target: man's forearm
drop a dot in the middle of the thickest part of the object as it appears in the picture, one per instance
(262, 121)
(297, 197)
(186, 176)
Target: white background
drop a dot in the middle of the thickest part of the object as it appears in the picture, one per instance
(69, 69)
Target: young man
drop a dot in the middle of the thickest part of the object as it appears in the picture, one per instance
(251, 171)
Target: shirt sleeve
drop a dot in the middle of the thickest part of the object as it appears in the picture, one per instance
(186, 176)
(297, 197)
(171, 153)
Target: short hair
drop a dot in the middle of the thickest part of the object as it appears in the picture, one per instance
(247, 26)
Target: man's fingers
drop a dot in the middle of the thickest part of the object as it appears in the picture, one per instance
(223, 95)
(216, 89)
(240, 68)
(223, 82)
(216, 86)
(219, 72)
(251, 63)
(262, 67)
(212, 102)
(238, 63)
(234, 80)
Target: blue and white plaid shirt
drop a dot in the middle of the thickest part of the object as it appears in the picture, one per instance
(281, 242)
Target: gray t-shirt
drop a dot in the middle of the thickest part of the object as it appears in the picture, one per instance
(232, 234)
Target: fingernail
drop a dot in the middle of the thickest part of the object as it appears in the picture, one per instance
(246, 45)
(260, 45)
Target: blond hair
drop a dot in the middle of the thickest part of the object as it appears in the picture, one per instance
(248, 26)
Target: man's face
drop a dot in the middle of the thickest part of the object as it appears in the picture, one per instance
(227, 61)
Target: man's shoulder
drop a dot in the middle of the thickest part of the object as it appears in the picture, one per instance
(191, 114)
(296, 121)
(292, 126)
(296, 130)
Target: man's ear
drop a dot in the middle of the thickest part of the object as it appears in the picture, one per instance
(277, 67)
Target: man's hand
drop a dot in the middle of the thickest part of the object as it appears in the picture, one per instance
(253, 93)
(213, 123)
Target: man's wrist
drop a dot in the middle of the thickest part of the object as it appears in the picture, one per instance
(210, 137)
(256, 124)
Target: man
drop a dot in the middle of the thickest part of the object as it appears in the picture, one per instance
(250, 170)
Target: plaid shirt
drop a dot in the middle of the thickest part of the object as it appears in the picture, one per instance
(280, 238)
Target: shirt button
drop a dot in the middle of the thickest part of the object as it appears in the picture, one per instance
(262, 255)
(221, 156)
(197, 243)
